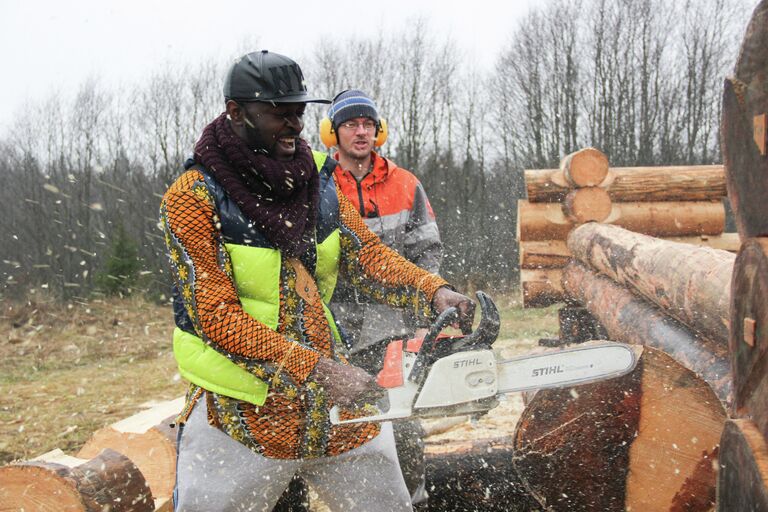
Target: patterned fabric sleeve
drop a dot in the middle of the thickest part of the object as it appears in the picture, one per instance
(380, 272)
(203, 272)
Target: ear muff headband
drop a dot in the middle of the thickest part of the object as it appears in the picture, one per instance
(328, 134)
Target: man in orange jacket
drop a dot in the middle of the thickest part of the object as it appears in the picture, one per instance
(393, 204)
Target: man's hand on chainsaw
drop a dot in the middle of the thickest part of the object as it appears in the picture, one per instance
(347, 385)
(445, 298)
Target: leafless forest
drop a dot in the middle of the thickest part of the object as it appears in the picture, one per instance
(641, 80)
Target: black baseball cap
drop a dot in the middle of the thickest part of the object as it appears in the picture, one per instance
(267, 76)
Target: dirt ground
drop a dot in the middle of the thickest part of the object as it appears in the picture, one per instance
(67, 370)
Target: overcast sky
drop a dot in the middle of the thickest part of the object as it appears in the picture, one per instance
(50, 45)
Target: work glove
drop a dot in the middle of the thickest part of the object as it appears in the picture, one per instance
(346, 385)
(445, 298)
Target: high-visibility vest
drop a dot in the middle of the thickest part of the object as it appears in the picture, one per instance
(256, 271)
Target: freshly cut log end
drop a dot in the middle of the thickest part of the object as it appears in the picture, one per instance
(153, 452)
(742, 482)
(109, 481)
(587, 167)
(748, 340)
(644, 441)
(588, 204)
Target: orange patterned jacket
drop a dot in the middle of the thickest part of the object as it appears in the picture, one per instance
(293, 422)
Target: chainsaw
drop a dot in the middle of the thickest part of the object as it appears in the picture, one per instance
(442, 375)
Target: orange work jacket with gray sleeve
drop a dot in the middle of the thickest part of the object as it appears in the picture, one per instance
(395, 206)
(251, 324)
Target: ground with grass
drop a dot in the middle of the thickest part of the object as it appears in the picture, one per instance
(67, 370)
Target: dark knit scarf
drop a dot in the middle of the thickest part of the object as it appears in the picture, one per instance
(281, 198)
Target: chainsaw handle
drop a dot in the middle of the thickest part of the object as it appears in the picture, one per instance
(427, 348)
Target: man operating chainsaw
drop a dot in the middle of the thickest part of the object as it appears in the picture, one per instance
(258, 233)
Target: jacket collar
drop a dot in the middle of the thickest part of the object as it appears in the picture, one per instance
(382, 168)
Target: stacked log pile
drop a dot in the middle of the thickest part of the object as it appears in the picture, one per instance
(704, 309)
(681, 203)
(743, 476)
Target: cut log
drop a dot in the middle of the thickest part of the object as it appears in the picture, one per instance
(541, 288)
(475, 475)
(672, 218)
(588, 204)
(690, 283)
(628, 184)
(742, 482)
(544, 254)
(644, 441)
(630, 319)
(586, 167)
(672, 183)
(546, 221)
(541, 221)
(110, 481)
(555, 253)
(749, 333)
(577, 325)
(743, 136)
(147, 439)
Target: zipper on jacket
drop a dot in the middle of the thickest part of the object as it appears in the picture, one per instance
(360, 197)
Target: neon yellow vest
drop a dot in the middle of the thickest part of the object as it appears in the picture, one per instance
(256, 272)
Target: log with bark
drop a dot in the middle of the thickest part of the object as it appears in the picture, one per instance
(555, 253)
(628, 184)
(546, 221)
(588, 204)
(742, 481)
(541, 288)
(631, 319)
(690, 283)
(743, 129)
(148, 440)
(749, 333)
(587, 167)
(644, 441)
(56, 482)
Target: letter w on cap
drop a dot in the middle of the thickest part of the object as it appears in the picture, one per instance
(284, 75)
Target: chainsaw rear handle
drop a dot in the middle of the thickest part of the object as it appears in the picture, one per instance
(423, 357)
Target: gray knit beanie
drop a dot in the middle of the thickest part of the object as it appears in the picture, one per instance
(351, 104)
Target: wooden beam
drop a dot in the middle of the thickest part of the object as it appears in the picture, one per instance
(748, 340)
(742, 482)
(690, 283)
(636, 184)
(546, 221)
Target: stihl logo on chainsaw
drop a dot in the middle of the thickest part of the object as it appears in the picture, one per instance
(547, 370)
(466, 362)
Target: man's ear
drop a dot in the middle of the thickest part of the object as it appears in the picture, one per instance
(235, 113)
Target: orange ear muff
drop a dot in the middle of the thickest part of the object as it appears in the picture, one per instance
(327, 134)
(381, 135)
